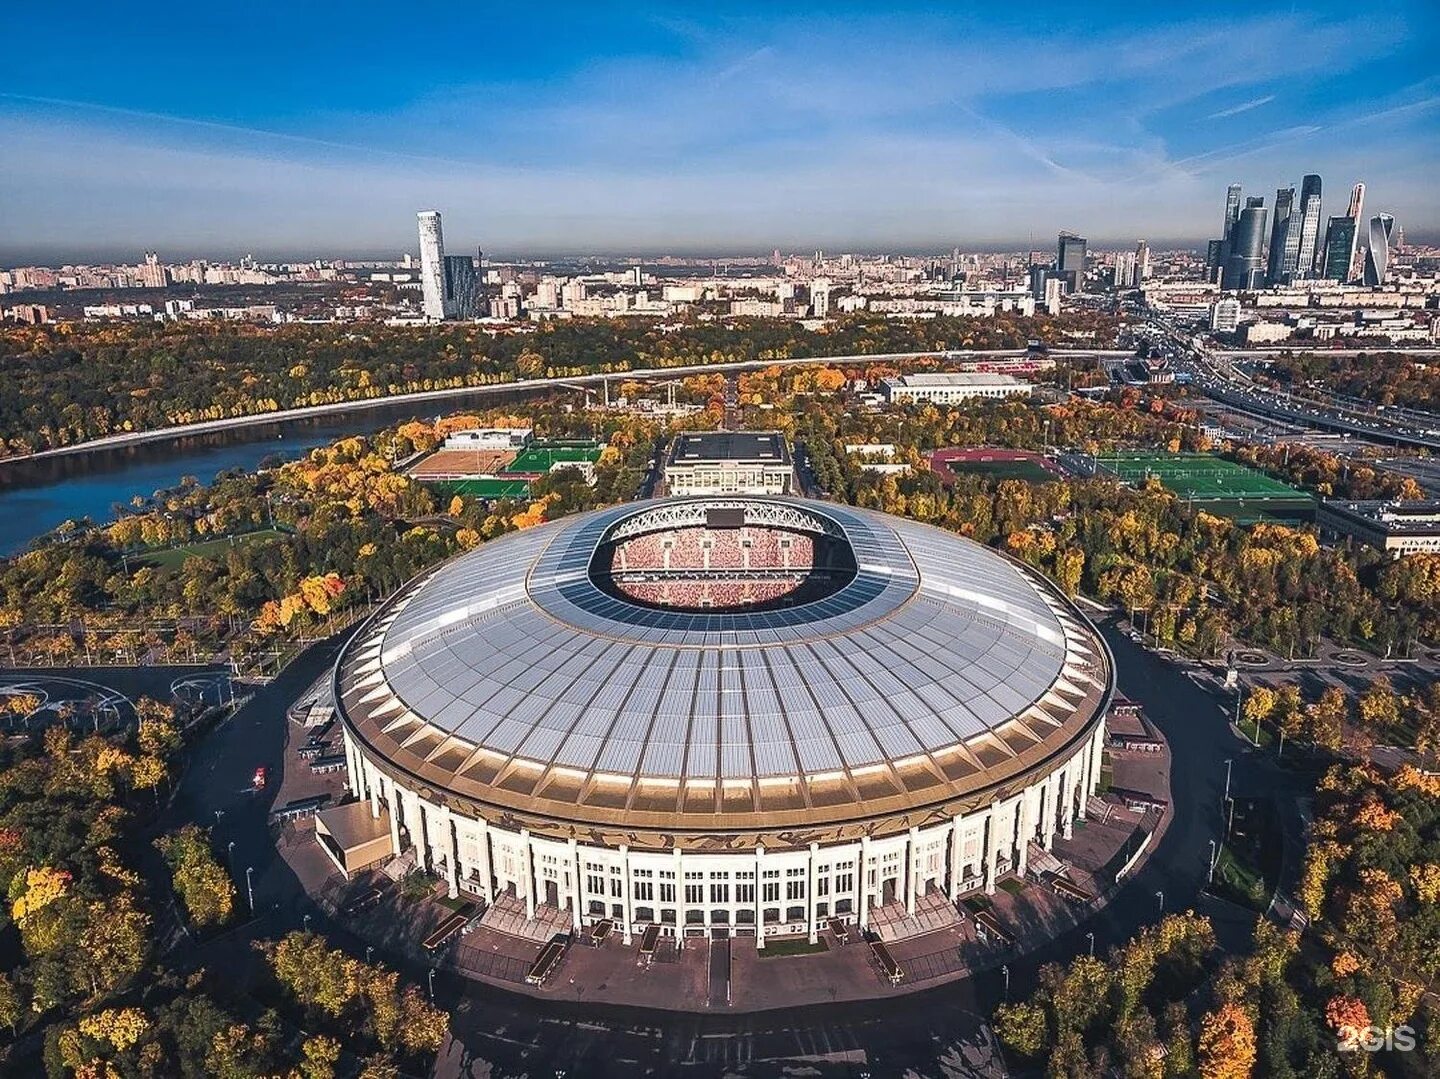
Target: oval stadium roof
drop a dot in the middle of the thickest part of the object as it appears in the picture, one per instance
(509, 676)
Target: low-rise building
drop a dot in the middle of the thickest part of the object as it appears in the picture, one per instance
(490, 438)
(952, 387)
(1397, 527)
(729, 462)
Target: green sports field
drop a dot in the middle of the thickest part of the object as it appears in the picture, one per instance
(485, 488)
(542, 456)
(1225, 487)
(1002, 470)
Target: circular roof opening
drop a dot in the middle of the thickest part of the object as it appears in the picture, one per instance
(722, 557)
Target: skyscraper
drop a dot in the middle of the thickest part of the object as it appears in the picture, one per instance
(1232, 209)
(462, 287)
(1377, 248)
(1357, 215)
(1245, 267)
(432, 265)
(1309, 225)
(1279, 267)
(1070, 261)
(1339, 243)
(1142, 263)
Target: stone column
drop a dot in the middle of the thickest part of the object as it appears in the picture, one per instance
(629, 894)
(1030, 809)
(912, 856)
(394, 806)
(679, 895)
(810, 886)
(487, 879)
(527, 863)
(452, 851)
(1067, 801)
(957, 837)
(759, 896)
(574, 888)
(992, 845)
(862, 882)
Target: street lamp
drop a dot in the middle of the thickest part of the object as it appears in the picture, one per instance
(250, 887)
(230, 854)
(1161, 896)
(431, 979)
(1214, 857)
(1005, 970)
(305, 923)
(1091, 936)
(369, 951)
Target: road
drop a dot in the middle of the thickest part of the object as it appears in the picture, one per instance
(1216, 374)
(529, 385)
(929, 1033)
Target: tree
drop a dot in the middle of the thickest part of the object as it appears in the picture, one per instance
(11, 1006)
(1325, 719)
(321, 1054)
(200, 881)
(1227, 1043)
(121, 1027)
(1379, 706)
(1022, 1026)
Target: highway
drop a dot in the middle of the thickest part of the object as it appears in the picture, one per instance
(1216, 374)
(529, 385)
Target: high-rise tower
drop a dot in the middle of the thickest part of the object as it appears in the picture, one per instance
(1070, 261)
(1281, 264)
(1245, 267)
(1377, 248)
(1339, 242)
(1309, 225)
(432, 265)
(1232, 209)
(1357, 216)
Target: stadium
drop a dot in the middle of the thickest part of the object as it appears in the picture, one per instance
(743, 716)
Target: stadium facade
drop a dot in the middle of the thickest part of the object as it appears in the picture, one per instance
(744, 714)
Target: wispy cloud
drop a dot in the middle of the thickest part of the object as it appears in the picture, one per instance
(1236, 110)
(743, 133)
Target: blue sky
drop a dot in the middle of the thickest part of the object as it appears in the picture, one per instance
(319, 129)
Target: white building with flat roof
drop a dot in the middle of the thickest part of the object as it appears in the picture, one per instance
(952, 387)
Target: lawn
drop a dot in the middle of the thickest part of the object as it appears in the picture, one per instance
(1248, 867)
(792, 946)
(1030, 471)
(174, 557)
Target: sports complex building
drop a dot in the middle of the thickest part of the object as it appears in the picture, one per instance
(742, 715)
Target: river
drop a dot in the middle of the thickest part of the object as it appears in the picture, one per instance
(37, 495)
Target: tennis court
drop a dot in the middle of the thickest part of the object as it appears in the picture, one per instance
(1228, 488)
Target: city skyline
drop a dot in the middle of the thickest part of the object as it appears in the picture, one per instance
(641, 132)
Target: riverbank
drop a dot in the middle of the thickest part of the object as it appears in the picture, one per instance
(531, 385)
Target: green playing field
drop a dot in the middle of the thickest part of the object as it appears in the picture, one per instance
(1227, 488)
(485, 488)
(542, 456)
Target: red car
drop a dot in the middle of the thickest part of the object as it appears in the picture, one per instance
(259, 781)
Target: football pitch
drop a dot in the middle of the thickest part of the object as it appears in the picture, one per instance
(542, 456)
(1230, 488)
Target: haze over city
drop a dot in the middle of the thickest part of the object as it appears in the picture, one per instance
(647, 129)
